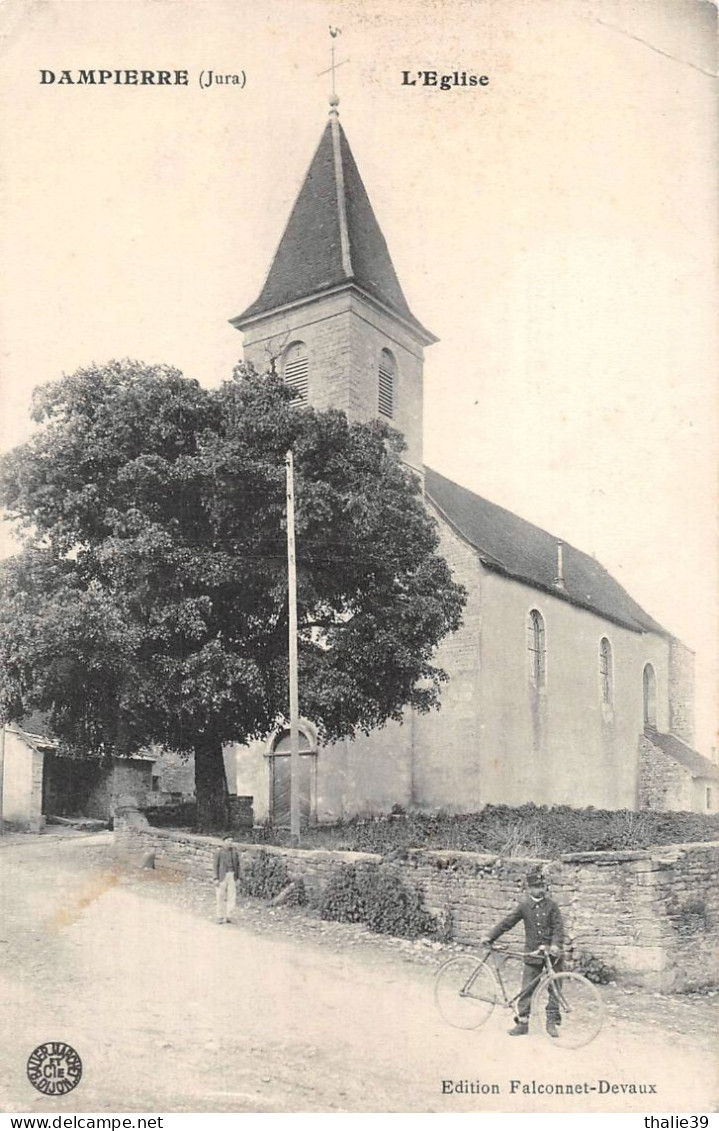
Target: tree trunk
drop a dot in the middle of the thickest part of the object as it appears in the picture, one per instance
(211, 785)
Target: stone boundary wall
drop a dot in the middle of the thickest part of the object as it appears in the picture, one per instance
(652, 913)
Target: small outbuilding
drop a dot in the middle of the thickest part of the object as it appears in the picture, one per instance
(38, 782)
(673, 776)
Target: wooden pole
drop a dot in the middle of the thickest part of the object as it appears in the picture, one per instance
(294, 695)
(2, 776)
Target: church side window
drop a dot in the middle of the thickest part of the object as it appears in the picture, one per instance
(295, 370)
(536, 649)
(649, 681)
(605, 671)
(387, 375)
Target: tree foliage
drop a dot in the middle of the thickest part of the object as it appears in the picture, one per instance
(149, 600)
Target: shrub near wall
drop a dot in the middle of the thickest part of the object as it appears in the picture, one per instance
(379, 896)
(651, 914)
(265, 876)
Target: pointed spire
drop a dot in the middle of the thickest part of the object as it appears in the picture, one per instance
(340, 184)
(332, 239)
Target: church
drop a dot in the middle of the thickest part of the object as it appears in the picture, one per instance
(562, 690)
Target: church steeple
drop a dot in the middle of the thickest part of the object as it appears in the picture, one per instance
(332, 239)
(333, 291)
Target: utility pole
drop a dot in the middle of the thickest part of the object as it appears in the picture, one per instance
(2, 775)
(294, 696)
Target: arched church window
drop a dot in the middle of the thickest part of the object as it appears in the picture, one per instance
(649, 680)
(605, 671)
(387, 375)
(536, 650)
(295, 370)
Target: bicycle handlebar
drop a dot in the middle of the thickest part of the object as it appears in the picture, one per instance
(540, 952)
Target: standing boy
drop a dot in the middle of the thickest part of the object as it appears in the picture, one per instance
(227, 872)
(543, 927)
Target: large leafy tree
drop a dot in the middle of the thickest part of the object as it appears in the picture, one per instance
(149, 600)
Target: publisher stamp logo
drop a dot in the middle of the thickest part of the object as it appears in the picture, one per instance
(54, 1068)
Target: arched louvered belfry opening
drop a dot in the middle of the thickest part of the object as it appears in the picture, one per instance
(387, 384)
(295, 370)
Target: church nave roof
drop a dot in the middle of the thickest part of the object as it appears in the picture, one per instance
(512, 546)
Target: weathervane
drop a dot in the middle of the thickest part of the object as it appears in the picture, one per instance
(334, 100)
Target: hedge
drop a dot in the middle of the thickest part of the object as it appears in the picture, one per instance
(526, 830)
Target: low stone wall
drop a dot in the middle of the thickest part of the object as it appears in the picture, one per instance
(651, 914)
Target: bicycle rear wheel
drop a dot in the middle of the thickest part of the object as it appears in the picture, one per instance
(571, 1005)
(465, 991)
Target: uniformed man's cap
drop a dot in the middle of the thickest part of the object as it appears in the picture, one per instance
(535, 878)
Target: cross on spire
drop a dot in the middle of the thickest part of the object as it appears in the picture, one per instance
(334, 100)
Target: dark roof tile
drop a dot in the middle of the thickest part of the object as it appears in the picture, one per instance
(511, 545)
(310, 260)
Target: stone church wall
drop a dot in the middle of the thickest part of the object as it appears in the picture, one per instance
(425, 762)
(446, 771)
(651, 914)
(495, 740)
(252, 776)
(562, 745)
(681, 691)
(366, 775)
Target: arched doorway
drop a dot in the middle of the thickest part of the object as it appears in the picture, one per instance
(279, 754)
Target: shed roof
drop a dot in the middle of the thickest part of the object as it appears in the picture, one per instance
(692, 760)
(39, 742)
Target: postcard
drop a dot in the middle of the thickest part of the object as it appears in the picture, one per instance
(488, 227)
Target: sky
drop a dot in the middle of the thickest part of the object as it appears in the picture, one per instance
(554, 228)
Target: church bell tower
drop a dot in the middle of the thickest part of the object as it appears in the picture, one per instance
(331, 315)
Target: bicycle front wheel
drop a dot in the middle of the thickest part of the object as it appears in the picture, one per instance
(569, 1009)
(465, 991)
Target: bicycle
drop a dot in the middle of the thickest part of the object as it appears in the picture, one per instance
(467, 988)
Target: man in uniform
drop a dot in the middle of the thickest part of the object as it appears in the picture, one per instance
(543, 927)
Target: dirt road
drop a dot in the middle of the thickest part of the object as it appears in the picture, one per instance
(279, 1012)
